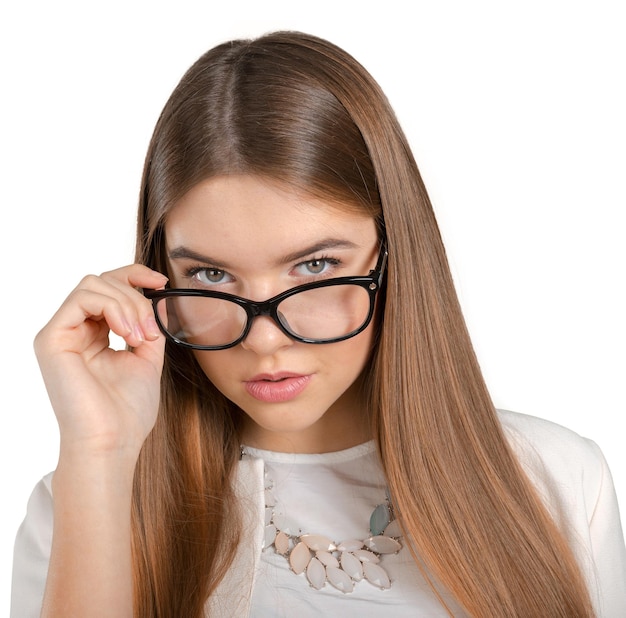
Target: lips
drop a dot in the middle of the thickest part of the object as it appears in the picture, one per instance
(277, 387)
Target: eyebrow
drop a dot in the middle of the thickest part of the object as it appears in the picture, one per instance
(185, 253)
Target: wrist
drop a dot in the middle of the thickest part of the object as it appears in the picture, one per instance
(81, 464)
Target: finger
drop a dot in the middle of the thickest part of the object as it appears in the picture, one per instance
(135, 315)
(83, 315)
(109, 299)
(75, 324)
(139, 276)
(136, 275)
(138, 310)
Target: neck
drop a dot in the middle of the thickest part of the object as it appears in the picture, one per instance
(344, 425)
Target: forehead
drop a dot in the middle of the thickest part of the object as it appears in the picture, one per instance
(238, 212)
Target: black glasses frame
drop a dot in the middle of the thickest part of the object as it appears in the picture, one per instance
(371, 282)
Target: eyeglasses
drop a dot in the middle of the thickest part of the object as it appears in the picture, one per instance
(320, 312)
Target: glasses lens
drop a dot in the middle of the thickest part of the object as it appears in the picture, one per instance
(202, 321)
(326, 313)
(321, 314)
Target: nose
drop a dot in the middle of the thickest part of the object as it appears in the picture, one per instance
(265, 337)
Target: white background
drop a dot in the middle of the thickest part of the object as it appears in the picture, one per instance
(516, 114)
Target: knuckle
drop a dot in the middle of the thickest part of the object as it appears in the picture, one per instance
(42, 341)
(88, 281)
(38, 341)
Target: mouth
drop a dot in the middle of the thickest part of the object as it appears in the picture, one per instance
(277, 387)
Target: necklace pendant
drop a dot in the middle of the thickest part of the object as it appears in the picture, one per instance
(317, 542)
(352, 566)
(316, 574)
(299, 558)
(350, 545)
(339, 579)
(281, 543)
(380, 519)
(376, 575)
(382, 544)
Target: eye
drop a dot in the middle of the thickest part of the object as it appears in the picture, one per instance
(318, 266)
(209, 276)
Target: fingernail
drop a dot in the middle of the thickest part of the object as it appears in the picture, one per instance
(138, 333)
(128, 328)
(151, 328)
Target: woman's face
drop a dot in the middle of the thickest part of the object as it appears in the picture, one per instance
(256, 238)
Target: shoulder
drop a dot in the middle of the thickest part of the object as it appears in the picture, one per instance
(548, 438)
(43, 489)
(568, 469)
(35, 533)
(571, 476)
(39, 508)
(32, 552)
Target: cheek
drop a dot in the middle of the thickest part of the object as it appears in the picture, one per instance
(215, 365)
(350, 357)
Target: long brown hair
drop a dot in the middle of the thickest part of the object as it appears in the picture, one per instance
(300, 110)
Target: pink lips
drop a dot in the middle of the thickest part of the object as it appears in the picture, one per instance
(277, 387)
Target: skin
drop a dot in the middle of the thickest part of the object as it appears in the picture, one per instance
(244, 227)
(106, 401)
(103, 420)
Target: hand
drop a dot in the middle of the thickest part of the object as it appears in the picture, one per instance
(105, 400)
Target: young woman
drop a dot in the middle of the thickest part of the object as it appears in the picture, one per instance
(299, 424)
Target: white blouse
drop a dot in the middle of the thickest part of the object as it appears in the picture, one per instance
(334, 494)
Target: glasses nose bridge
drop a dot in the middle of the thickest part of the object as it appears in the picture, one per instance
(260, 309)
(267, 309)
